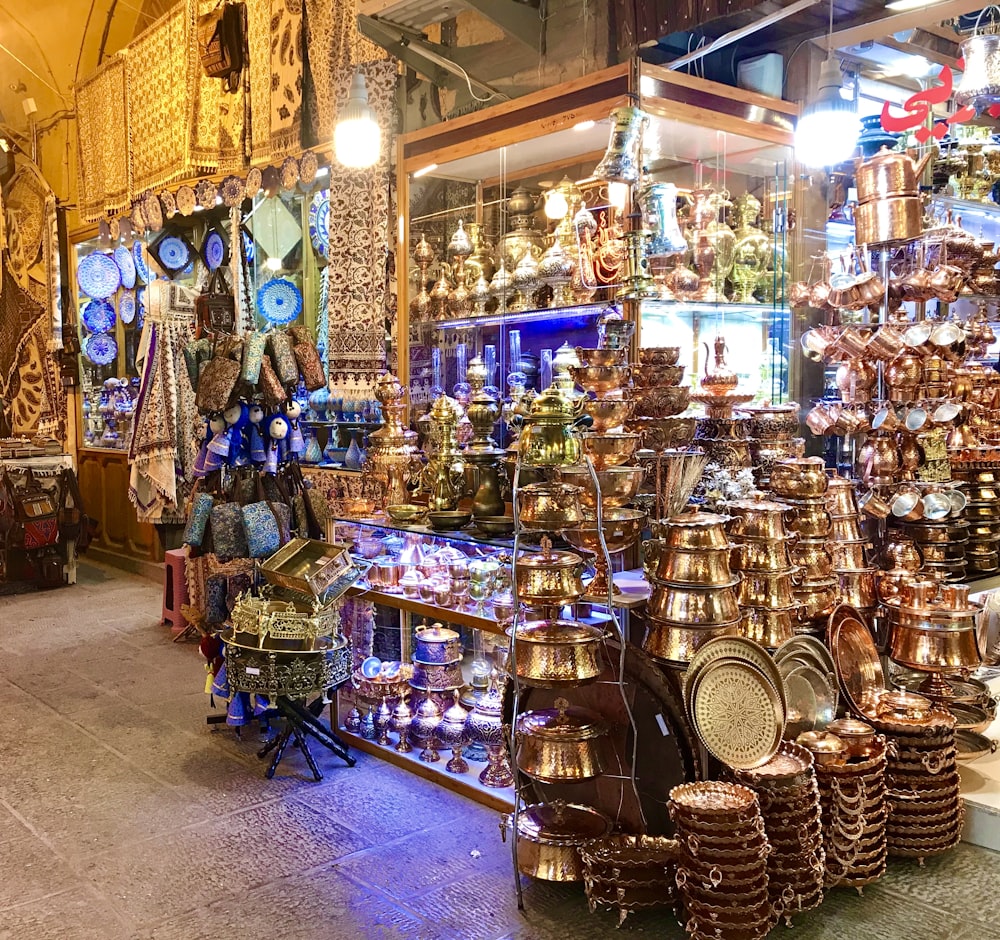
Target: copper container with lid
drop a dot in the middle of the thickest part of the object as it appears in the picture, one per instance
(859, 736)
(936, 637)
(436, 644)
(556, 653)
(799, 477)
(561, 744)
(708, 567)
(759, 519)
(549, 506)
(548, 835)
(694, 531)
(770, 589)
(549, 578)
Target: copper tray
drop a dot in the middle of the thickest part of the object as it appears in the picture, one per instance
(735, 647)
(855, 655)
(715, 799)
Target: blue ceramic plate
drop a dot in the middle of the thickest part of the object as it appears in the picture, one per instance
(127, 306)
(371, 667)
(98, 275)
(141, 264)
(101, 349)
(319, 217)
(214, 250)
(99, 316)
(279, 301)
(123, 258)
(173, 253)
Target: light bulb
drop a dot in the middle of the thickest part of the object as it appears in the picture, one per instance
(273, 264)
(618, 195)
(556, 205)
(828, 128)
(357, 138)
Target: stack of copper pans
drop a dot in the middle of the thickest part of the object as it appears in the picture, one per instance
(722, 879)
(790, 804)
(629, 872)
(982, 552)
(853, 797)
(926, 813)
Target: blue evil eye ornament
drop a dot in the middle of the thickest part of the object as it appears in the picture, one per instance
(98, 275)
(279, 301)
(99, 316)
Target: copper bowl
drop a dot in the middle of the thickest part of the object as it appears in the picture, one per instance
(608, 413)
(660, 355)
(693, 606)
(812, 556)
(601, 356)
(495, 525)
(549, 835)
(661, 401)
(677, 643)
(811, 521)
(771, 589)
(618, 485)
(663, 433)
(406, 513)
(609, 450)
(773, 423)
(769, 627)
(703, 567)
(859, 736)
(549, 506)
(449, 520)
(817, 597)
(600, 379)
(761, 555)
(656, 375)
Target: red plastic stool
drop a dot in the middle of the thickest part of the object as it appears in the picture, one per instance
(174, 588)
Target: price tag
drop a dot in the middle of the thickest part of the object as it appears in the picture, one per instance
(664, 730)
(252, 671)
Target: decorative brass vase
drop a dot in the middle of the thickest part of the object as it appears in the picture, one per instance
(393, 454)
(752, 249)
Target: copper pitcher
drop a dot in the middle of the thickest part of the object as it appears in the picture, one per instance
(889, 173)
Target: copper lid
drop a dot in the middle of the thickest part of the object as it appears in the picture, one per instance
(548, 559)
(435, 633)
(567, 632)
(559, 823)
(562, 723)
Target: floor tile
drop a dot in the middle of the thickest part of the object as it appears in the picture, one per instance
(79, 914)
(32, 871)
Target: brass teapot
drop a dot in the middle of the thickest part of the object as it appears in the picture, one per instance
(719, 379)
(889, 173)
(549, 435)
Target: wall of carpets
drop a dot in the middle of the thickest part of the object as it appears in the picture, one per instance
(32, 398)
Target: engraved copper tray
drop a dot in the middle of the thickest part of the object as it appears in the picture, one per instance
(859, 669)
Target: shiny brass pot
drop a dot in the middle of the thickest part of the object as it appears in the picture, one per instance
(677, 643)
(897, 218)
(706, 567)
(773, 422)
(858, 587)
(549, 578)
(600, 379)
(770, 627)
(813, 557)
(548, 837)
(554, 653)
(758, 519)
(549, 506)
(761, 555)
(618, 485)
(844, 528)
(609, 450)
(812, 521)
(693, 606)
(817, 597)
(694, 531)
(849, 555)
(608, 413)
(799, 477)
(771, 589)
(560, 744)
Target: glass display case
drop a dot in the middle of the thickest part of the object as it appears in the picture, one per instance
(519, 244)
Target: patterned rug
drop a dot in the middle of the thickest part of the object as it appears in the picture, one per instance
(103, 158)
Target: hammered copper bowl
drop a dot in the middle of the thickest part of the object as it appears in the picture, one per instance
(608, 413)
(661, 401)
(652, 376)
(704, 567)
(813, 557)
(799, 477)
(618, 485)
(812, 522)
(601, 356)
(561, 744)
(693, 606)
(770, 589)
(660, 355)
(609, 450)
(817, 597)
(773, 424)
(769, 627)
(548, 506)
(761, 555)
(600, 379)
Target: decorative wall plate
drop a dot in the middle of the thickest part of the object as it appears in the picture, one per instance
(126, 266)
(152, 212)
(173, 253)
(308, 167)
(253, 182)
(169, 203)
(733, 647)
(289, 173)
(138, 220)
(206, 191)
(859, 669)
(140, 307)
(279, 301)
(186, 200)
(233, 191)
(127, 306)
(214, 250)
(98, 275)
(101, 349)
(319, 218)
(737, 713)
(99, 316)
(142, 267)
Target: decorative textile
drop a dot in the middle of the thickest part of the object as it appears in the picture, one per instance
(102, 123)
(332, 43)
(31, 398)
(205, 106)
(159, 75)
(19, 315)
(27, 193)
(358, 235)
(164, 416)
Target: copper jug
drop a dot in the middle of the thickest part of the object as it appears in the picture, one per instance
(720, 379)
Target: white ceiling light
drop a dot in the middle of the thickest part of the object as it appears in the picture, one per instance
(357, 138)
(828, 127)
(900, 6)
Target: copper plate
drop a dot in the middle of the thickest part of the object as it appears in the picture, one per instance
(735, 647)
(856, 659)
(738, 713)
(715, 798)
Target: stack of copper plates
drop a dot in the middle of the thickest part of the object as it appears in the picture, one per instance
(926, 812)
(722, 879)
(789, 801)
(853, 797)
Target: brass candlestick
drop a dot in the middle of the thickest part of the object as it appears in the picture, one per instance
(423, 255)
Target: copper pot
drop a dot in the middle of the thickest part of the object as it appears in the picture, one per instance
(694, 531)
(812, 520)
(436, 644)
(662, 355)
(859, 736)
(549, 835)
(548, 578)
(897, 218)
(553, 653)
(609, 450)
(941, 637)
(600, 379)
(845, 529)
(677, 643)
(849, 554)
(618, 485)
(799, 477)
(549, 506)
(772, 422)
(704, 568)
(770, 626)
(759, 519)
(608, 413)
(817, 597)
(771, 589)
(886, 342)
(813, 557)
(858, 587)
(761, 555)
(561, 744)
(693, 606)
(888, 174)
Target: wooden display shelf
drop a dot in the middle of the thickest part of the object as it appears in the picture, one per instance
(422, 609)
(466, 784)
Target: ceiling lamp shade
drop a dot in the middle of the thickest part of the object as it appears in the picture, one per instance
(828, 128)
(357, 138)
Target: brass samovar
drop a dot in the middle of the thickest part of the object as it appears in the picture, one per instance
(393, 454)
(443, 476)
(482, 454)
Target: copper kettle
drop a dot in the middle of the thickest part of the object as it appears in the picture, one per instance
(889, 173)
(720, 379)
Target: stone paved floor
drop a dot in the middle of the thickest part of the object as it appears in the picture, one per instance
(123, 816)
